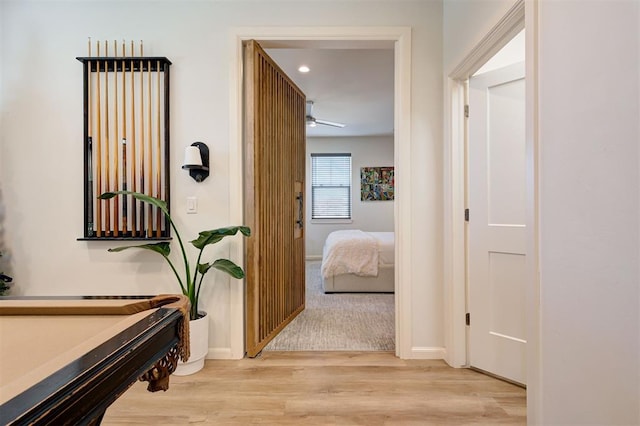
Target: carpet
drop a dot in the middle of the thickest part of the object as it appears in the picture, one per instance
(338, 321)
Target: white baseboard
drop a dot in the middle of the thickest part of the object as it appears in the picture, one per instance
(313, 257)
(428, 353)
(220, 353)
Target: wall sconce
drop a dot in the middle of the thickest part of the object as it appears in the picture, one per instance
(196, 160)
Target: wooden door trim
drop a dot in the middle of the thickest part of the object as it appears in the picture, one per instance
(400, 37)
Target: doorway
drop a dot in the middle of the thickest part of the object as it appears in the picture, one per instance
(349, 94)
(456, 260)
(321, 36)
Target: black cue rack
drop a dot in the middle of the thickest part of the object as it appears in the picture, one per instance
(126, 146)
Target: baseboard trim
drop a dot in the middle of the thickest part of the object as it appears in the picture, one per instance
(435, 352)
(220, 353)
(313, 257)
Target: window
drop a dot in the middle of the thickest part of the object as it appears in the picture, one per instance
(330, 186)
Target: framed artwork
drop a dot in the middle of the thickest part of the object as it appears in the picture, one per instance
(376, 183)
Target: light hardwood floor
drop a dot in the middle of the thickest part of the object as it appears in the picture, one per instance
(324, 388)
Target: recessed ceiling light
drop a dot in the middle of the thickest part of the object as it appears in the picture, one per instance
(304, 69)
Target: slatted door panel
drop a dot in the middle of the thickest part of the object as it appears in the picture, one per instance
(274, 193)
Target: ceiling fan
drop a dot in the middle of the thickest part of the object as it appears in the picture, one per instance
(312, 121)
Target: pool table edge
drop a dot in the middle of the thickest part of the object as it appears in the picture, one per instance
(80, 392)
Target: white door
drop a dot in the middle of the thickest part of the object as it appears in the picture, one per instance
(496, 238)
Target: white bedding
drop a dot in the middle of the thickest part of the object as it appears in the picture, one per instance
(357, 252)
(386, 247)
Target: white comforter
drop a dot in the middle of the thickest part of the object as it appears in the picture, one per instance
(350, 252)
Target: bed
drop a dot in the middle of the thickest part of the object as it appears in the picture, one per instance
(358, 261)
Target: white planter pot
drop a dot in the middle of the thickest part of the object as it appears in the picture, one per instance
(199, 341)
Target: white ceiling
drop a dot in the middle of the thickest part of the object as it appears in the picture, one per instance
(352, 82)
(353, 86)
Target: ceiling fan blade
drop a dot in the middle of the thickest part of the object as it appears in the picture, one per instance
(312, 121)
(329, 123)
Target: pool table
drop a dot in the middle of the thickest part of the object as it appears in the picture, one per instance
(64, 360)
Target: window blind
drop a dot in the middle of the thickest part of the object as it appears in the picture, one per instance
(330, 186)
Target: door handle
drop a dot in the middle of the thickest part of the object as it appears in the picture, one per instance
(300, 221)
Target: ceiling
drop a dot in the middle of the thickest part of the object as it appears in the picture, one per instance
(351, 82)
(353, 86)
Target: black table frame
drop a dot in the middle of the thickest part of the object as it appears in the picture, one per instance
(80, 392)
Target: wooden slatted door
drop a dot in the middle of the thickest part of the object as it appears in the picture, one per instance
(274, 193)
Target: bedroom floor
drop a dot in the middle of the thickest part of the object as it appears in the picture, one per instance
(338, 321)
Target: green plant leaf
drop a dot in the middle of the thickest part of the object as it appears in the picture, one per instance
(213, 236)
(223, 265)
(203, 268)
(229, 267)
(162, 247)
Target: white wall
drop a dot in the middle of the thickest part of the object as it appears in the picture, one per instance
(465, 22)
(41, 136)
(374, 151)
(588, 206)
(589, 212)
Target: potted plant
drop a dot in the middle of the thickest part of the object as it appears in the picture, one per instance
(190, 276)
(4, 281)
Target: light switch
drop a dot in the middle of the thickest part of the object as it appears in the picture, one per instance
(192, 205)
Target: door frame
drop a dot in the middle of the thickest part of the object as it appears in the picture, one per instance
(400, 38)
(455, 259)
(522, 14)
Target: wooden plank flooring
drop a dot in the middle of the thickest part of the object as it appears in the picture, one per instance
(325, 388)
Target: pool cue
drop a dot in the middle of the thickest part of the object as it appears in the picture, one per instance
(107, 217)
(116, 166)
(142, 143)
(124, 142)
(90, 200)
(150, 150)
(134, 217)
(158, 186)
(99, 150)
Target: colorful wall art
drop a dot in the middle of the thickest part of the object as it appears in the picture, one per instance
(376, 183)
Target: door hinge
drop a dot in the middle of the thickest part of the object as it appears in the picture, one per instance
(466, 111)
(467, 318)
(466, 215)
